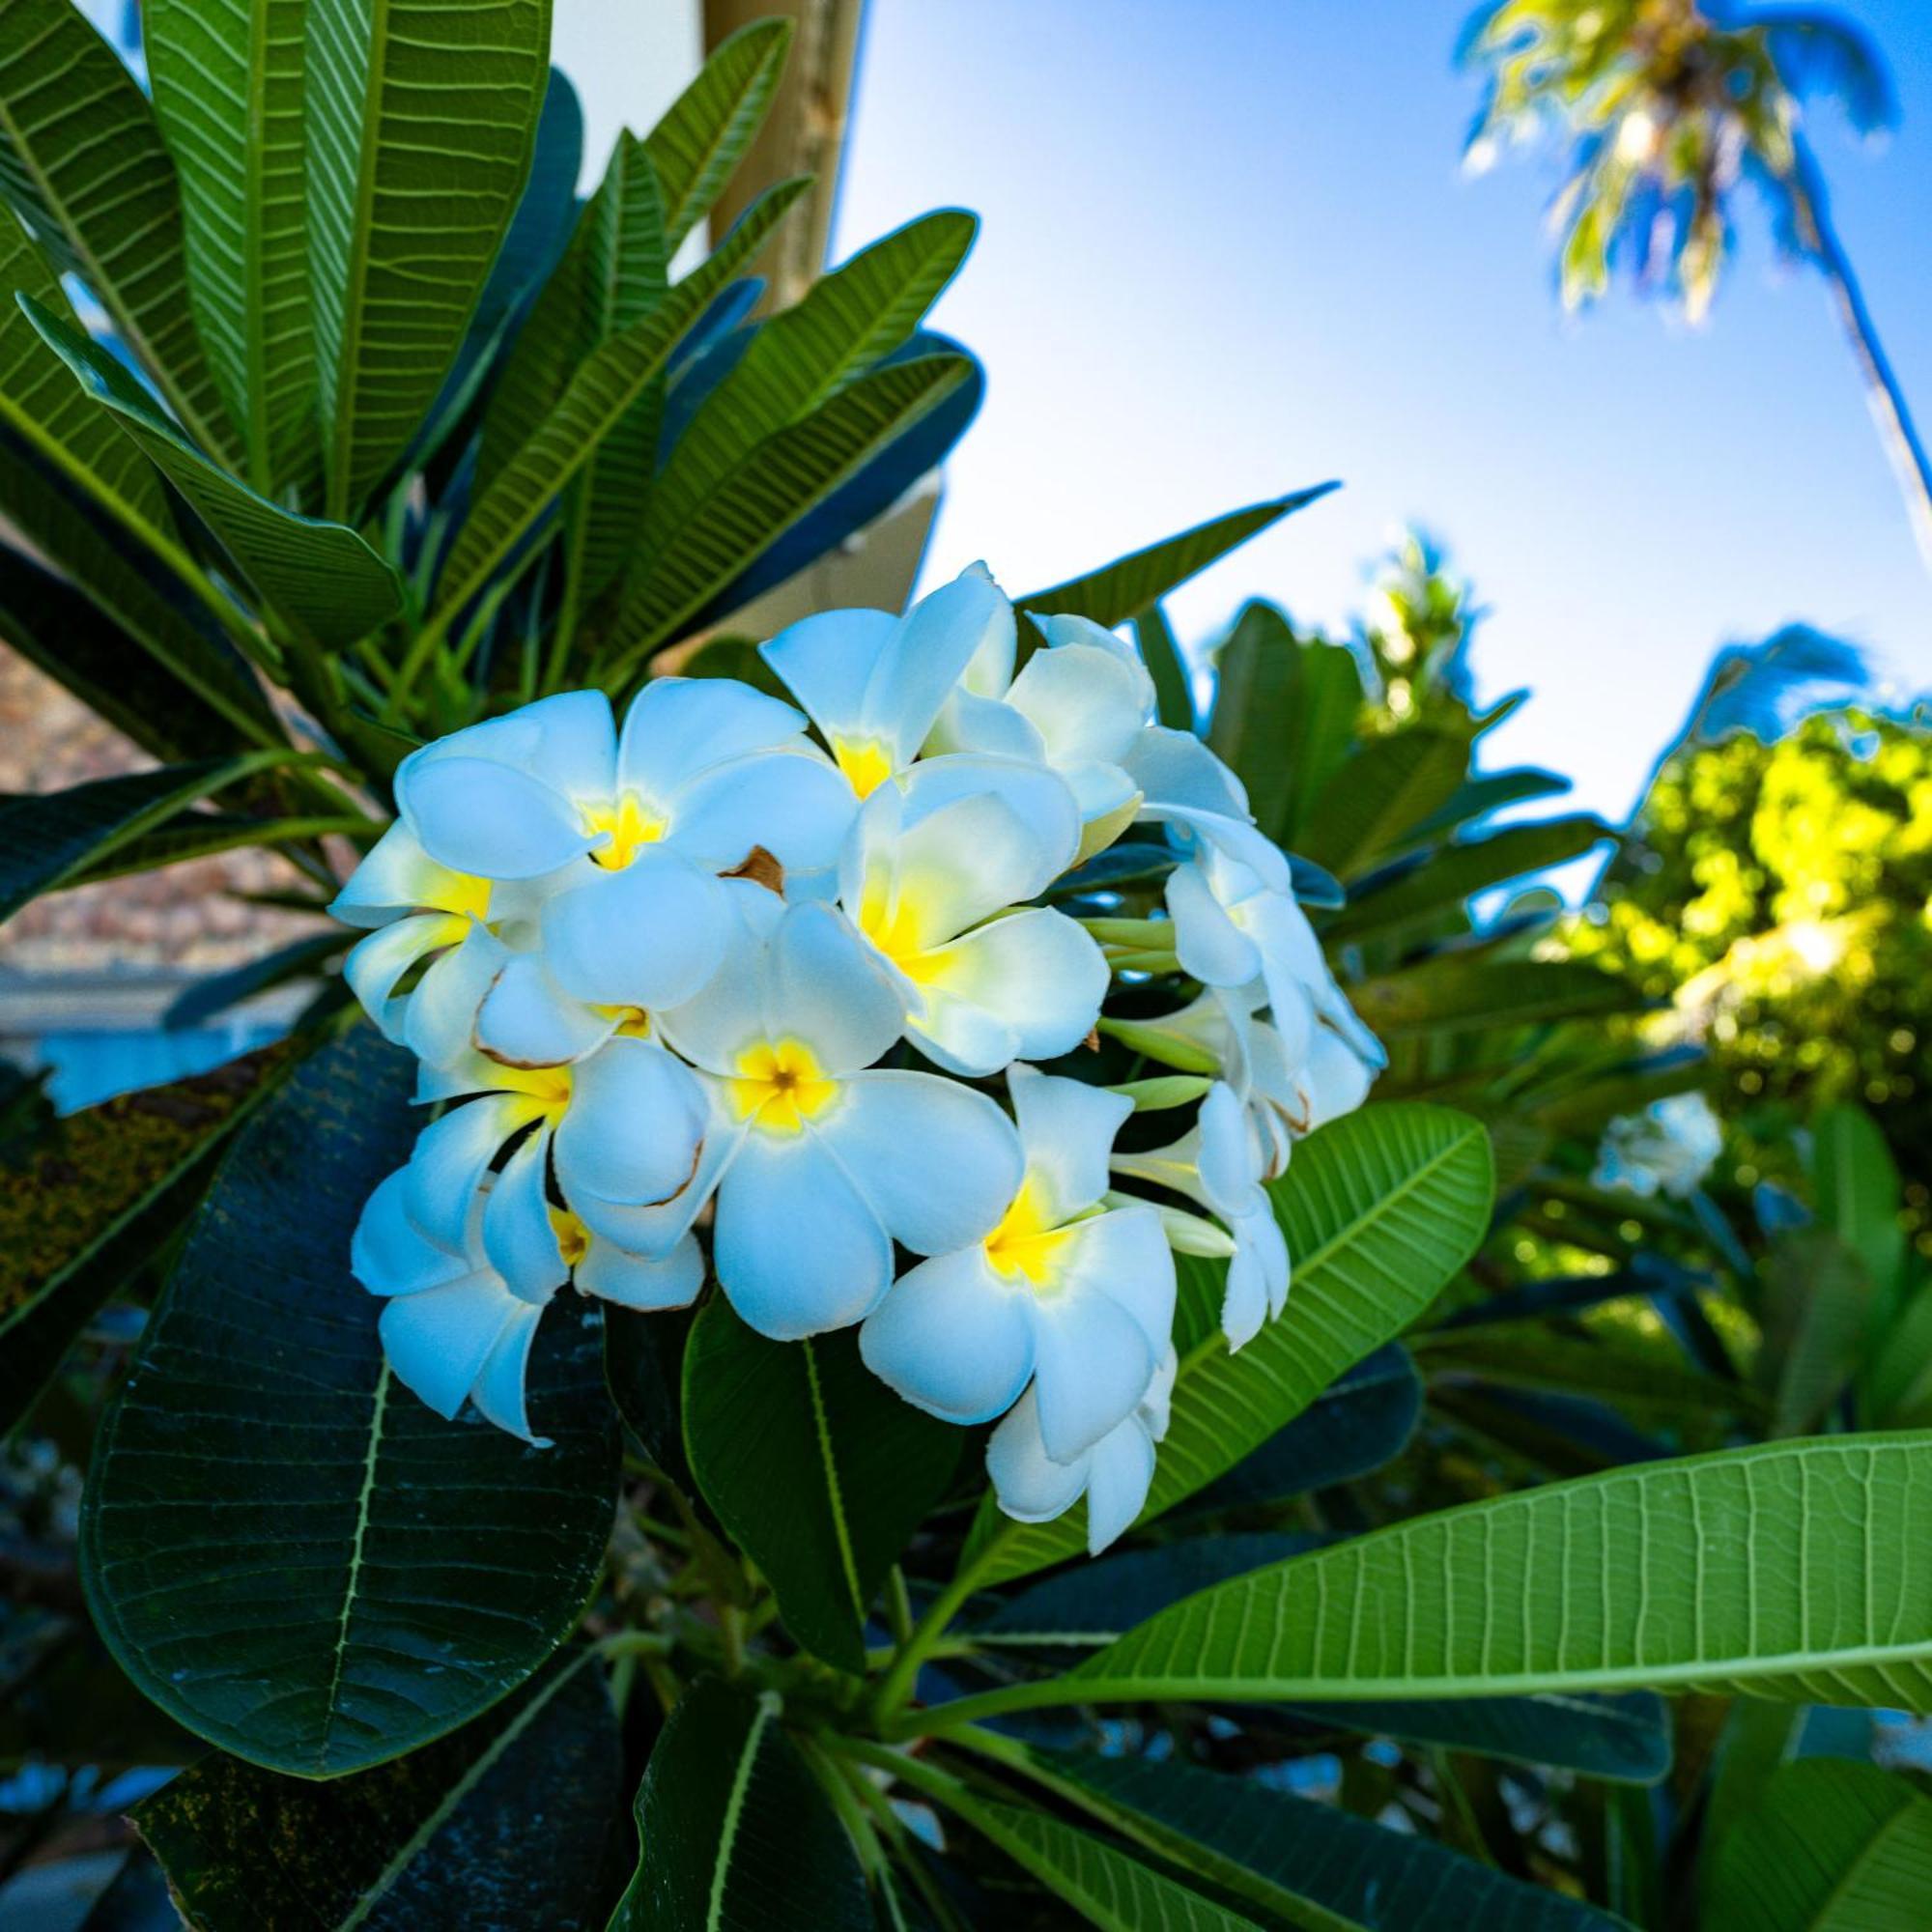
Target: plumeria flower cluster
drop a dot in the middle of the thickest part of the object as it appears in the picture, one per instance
(1668, 1148)
(759, 992)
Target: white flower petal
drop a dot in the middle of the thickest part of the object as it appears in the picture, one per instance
(499, 1392)
(569, 742)
(1118, 1476)
(452, 1157)
(825, 987)
(492, 821)
(1037, 971)
(1092, 1364)
(798, 1250)
(793, 803)
(958, 1037)
(650, 935)
(1244, 1303)
(518, 1237)
(388, 1254)
(1061, 630)
(965, 861)
(636, 1281)
(1087, 704)
(714, 1026)
(656, 1229)
(826, 662)
(437, 1342)
(972, 723)
(990, 668)
(1230, 1170)
(1039, 797)
(1209, 946)
(1177, 771)
(679, 727)
(953, 1338)
(632, 1130)
(1029, 1485)
(527, 1020)
(1334, 1080)
(397, 876)
(440, 1017)
(938, 1162)
(936, 641)
(1067, 1132)
(377, 962)
(1124, 1256)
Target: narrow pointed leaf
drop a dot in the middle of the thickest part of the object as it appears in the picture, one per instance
(421, 123)
(227, 78)
(1475, 798)
(1456, 993)
(209, 998)
(1371, 801)
(1167, 667)
(509, 1815)
(1381, 1210)
(698, 144)
(735, 1833)
(1286, 1855)
(818, 1471)
(329, 1575)
(1126, 587)
(1858, 1199)
(319, 577)
(99, 1195)
(83, 165)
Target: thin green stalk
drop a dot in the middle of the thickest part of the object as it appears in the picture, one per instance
(897, 1686)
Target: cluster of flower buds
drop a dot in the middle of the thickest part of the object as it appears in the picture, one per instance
(774, 982)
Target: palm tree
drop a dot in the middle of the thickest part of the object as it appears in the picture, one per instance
(1670, 106)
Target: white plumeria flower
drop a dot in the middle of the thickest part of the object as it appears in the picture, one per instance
(1667, 1149)
(1058, 1293)
(627, 836)
(623, 1128)
(1221, 1162)
(820, 1159)
(924, 883)
(1113, 1475)
(458, 1321)
(1233, 929)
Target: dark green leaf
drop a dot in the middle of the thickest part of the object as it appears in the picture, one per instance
(1174, 696)
(818, 1471)
(1285, 1854)
(321, 578)
(643, 1362)
(421, 123)
(1455, 993)
(1817, 1310)
(83, 166)
(1491, 792)
(207, 998)
(1126, 587)
(321, 1574)
(1373, 802)
(96, 1197)
(502, 1824)
(735, 1834)
(1858, 1187)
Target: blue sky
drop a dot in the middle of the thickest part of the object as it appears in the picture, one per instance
(1228, 249)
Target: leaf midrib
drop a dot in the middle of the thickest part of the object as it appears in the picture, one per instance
(734, 1811)
(370, 1457)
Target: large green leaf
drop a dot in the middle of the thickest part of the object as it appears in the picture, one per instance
(848, 320)
(1174, 696)
(1858, 1188)
(735, 1833)
(791, 474)
(1815, 1313)
(1372, 799)
(320, 578)
(818, 1471)
(420, 121)
(699, 142)
(1455, 993)
(1286, 1855)
(83, 165)
(1786, 1570)
(502, 1824)
(94, 1199)
(227, 76)
(1832, 1847)
(1380, 1209)
(322, 1573)
(600, 396)
(47, 837)
(1126, 587)
(1457, 872)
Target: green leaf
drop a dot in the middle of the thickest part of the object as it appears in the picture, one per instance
(1126, 587)
(200, 835)
(1374, 800)
(1834, 1847)
(600, 395)
(1106, 1887)
(818, 1471)
(1286, 1855)
(227, 76)
(1786, 1570)
(97, 1198)
(1174, 696)
(83, 165)
(791, 473)
(321, 578)
(1457, 872)
(326, 1575)
(735, 1833)
(695, 148)
(1456, 993)
(421, 123)
(1858, 1199)
(1816, 1312)
(507, 1816)
(46, 839)
(1479, 796)
(1380, 1209)
(207, 998)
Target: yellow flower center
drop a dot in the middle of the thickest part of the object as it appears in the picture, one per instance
(548, 1086)
(573, 1237)
(865, 763)
(633, 1022)
(893, 923)
(779, 1086)
(1027, 1246)
(629, 826)
(466, 897)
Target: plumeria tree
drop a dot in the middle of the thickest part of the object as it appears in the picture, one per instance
(791, 1337)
